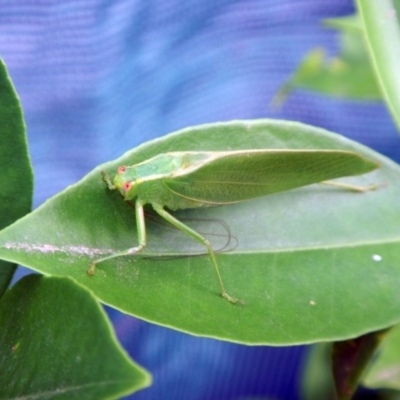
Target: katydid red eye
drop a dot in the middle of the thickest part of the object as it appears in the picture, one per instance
(121, 170)
(126, 186)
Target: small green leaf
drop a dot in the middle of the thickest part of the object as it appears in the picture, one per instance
(385, 371)
(312, 264)
(16, 180)
(348, 75)
(56, 342)
(382, 34)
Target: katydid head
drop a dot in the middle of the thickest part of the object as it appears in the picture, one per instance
(125, 182)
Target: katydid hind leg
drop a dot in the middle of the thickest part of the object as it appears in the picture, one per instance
(195, 235)
(141, 228)
(354, 188)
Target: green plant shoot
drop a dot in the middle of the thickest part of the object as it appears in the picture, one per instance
(180, 180)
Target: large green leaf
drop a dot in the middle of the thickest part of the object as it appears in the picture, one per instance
(60, 349)
(382, 34)
(16, 180)
(312, 264)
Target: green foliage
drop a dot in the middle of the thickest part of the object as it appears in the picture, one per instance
(367, 65)
(317, 380)
(291, 271)
(375, 32)
(382, 35)
(56, 343)
(347, 75)
(314, 264)
(16, 172)
(385, 371)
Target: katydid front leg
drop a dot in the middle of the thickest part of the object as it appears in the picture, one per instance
(106, 179)
(141, 228)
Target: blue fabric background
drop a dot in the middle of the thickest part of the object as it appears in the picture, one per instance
(97, 78)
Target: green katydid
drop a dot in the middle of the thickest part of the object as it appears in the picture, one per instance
(180, 180)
